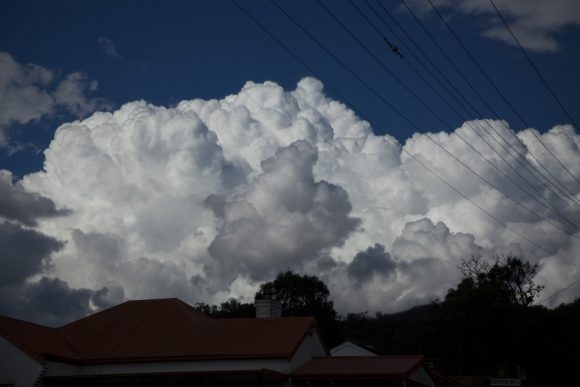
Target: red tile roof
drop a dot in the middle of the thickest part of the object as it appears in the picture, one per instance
(158, 330)
(359, 367)
(34, 339)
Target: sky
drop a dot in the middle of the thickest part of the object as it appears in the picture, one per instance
(196, 149)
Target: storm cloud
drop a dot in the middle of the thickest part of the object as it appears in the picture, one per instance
(24, 252)
(26, 256)
(17, 204)
(373, 261)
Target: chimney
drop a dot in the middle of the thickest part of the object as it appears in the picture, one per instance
(268, 308)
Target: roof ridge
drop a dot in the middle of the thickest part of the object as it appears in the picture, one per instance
(267, 319)
(153, 300)
(378, 357)
(115, 307)
(32, 350)
(25, 321)
(90, 315)
(190, 308)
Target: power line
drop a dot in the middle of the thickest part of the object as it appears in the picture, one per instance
(393, 47)
(535, 69)
(574, 283)
(315, 73)
(507, 227)
(504, 98)
(422, 103)
(509, 178)
(335, 91)
(559, 193)
(568, 198)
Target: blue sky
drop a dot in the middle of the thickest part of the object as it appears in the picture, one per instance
(196, 158)
(185, 50)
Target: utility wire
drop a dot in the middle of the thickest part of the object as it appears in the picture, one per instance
(568, 197)
(519, 157)
(415, 158)
(535, 68)
(426, 68)
(430, 138)
(572, 284)
(410, 51)
(404, 117)
(542, 201)
(504, 98)
(393, 47)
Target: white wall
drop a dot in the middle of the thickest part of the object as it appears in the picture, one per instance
(422, 376)
(16, 367)
(310, 347)
(350, 349)
(56, 368)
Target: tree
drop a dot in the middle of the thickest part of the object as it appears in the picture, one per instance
(303, 295)
(299, 295)
(231, 308)
(482, 325)
(509, 278)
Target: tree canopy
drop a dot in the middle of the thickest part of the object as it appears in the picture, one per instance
(509, 279)
(300, 295)
(482, 325)
(303, 295)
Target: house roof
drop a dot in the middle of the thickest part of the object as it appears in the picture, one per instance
(35, 339)
(359, 367)
(161, 330)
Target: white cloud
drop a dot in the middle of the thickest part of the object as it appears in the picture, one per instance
(27, 288)
(535, 23)
(284, 218)
(70, 93)
(17, 204)
(28, 92)
(207, 199)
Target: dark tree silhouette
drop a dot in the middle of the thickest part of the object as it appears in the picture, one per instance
(481, 324)
(303, 295)
(231, 308)
(508, 279)
(234, 308)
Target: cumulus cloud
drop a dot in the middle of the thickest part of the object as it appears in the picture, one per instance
(373, 261)
(18, 204)
(26, 258)
(29, 92)
(283, 219)
(54, 301)
(207, 199)
(535, 23)
(24, 252)
(421, 267)
(25, 292)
